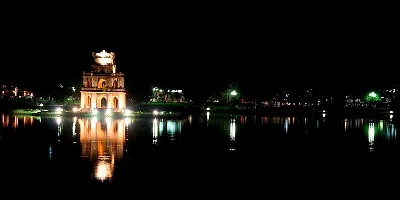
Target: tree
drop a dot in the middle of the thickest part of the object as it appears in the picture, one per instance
(372, 98)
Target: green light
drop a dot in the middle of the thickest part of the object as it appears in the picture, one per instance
(372, 94)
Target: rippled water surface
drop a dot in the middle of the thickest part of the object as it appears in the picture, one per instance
(196, 153)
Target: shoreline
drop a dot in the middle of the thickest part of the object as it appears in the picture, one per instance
(182, 110)
(177, 113)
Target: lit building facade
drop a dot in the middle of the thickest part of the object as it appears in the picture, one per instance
(103, 87)
(12, 92)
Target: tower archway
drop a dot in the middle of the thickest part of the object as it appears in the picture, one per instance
(115, 102)
(88, 102)
(102, 102)
(102, 83)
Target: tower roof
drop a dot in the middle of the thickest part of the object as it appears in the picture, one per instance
(104, 57)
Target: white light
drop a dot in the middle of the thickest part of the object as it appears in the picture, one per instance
(58, 110)
(127, 112)
(94, 112)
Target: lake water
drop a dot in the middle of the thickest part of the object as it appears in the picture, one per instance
(201, 154)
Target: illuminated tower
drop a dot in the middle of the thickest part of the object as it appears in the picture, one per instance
(103, 87)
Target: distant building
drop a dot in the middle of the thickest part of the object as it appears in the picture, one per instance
(160, 95)
(103, 87)
(13, 92)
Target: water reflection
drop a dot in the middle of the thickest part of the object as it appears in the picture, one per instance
(166, 132)
(59, 126)
(383, 129)
(102, 141)
(371, 136)
(105, 142)
(232, 134)
(15, 120)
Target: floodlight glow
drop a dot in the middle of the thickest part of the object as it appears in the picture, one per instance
(127, 112)
(58, 110)
(95, 112)
(372, 94)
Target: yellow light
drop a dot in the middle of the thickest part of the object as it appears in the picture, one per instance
(104, 61)
(104, 58)
(103, 54)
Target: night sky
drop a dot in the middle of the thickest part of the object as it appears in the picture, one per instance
(203, 49)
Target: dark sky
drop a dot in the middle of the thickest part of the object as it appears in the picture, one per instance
(288, 49)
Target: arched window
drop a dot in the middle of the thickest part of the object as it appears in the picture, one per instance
(115, 102)
(115, 84)
(103, 103)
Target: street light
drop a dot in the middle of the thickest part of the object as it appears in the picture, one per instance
(233, 93)
(73, 95)
(372, 98)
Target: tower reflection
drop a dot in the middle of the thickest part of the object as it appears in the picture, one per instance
(102, 142)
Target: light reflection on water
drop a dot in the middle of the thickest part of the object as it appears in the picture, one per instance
(102, 142)
(105, 142)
